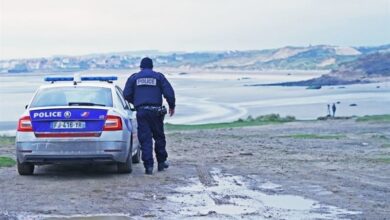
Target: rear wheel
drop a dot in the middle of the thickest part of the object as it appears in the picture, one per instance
(137, 156)
(126, 167)
(25, 168)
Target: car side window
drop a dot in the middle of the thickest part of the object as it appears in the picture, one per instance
(119, 93)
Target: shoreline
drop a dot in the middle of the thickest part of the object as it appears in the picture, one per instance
(325, 80)
(231, 98)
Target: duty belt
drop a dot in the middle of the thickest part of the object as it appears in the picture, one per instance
(150, 107)
(160, 110)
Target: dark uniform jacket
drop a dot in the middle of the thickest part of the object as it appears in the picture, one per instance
(147, 88)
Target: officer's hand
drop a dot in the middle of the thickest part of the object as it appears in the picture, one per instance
(171, 111)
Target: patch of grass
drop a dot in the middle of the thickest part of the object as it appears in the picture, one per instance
(379, 136)
(380, 118)
(7, 162)
(5, 140)
(315, 136)
(383, 160)
(250, 121)
(387, 145)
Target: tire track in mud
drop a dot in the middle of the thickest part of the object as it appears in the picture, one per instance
(205, 177)
(207, 180)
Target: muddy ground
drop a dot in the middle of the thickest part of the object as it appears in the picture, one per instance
(265, 172)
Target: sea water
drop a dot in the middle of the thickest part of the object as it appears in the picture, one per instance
(221, 97)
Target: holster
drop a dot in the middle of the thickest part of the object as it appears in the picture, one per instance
(162, 110)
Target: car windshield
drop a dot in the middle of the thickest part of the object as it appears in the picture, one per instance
(73, 96)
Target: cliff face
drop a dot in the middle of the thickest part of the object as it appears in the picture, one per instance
(366, 69)
(377, 64)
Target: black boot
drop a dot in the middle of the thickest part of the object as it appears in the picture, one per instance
(149, 170)
(162, 166)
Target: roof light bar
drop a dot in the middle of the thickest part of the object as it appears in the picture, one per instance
(99, 78)
(58, 78)
(83, 78)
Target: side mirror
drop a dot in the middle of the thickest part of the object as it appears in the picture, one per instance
(131, 107)
(25, 107)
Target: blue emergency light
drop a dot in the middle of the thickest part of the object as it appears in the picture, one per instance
(99, 78)
(83, 78)
(58, 78)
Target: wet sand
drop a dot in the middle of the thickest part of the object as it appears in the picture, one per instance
(223, 96)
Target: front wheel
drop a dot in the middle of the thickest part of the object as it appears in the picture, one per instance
(25, 168)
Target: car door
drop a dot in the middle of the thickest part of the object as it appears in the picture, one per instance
(131, 115)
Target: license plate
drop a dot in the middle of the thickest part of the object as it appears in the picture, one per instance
(68, 125)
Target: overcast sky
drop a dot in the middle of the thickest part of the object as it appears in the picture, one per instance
(73, 27)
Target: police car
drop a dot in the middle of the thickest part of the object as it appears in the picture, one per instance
(77, 119)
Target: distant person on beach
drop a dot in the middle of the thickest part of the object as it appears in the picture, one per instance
(328, 110)
(334, 109)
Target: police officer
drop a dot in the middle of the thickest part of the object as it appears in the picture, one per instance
(145, 90)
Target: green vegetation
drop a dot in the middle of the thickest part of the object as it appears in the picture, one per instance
(315, 136)
(270, 119)
(7, 162)
(5, 140)
(250, 121)
(378, 118)
(383, 159)
(380, 137)
(387, 145)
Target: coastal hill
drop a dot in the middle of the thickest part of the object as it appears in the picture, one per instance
(377, 64)
(318, 57)
(366, 69)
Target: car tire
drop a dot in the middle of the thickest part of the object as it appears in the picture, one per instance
(126, 167)
(25, 168)
(137, 157)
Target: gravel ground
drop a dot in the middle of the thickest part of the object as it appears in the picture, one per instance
(263, 172)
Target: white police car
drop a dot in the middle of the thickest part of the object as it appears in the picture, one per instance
(77, 119)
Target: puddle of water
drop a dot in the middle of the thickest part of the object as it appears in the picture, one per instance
(89, 218)
(269, 185)
(76, 217)
(288, 202)
(237, 197)
(320, 190)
